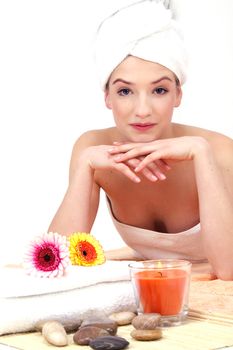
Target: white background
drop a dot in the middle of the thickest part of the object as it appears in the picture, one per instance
(49, 95)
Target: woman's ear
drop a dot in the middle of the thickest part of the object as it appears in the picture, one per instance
(107, 99)
(179, 95)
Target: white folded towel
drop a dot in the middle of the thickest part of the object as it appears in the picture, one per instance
(81, 293)
(18, 284)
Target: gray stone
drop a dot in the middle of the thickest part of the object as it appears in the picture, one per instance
(72, 326)
(101, 322)
(122, 318)
(109, 343)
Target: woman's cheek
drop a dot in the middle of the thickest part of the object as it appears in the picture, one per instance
(122, 108)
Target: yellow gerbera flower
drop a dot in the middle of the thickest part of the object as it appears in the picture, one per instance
(85, 250)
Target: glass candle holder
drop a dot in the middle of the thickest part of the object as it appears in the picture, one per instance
(162, 286)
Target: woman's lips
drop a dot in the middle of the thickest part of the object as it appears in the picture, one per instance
(142, 127)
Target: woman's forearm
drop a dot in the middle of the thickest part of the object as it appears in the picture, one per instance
(216, 212)
(75, 213)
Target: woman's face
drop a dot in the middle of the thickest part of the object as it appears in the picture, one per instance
(142, 96)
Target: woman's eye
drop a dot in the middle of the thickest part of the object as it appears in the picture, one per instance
(123, 92)
(160, 91)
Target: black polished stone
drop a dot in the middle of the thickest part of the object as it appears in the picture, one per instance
(109, 343)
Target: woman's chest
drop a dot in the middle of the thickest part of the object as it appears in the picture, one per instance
(164, 206)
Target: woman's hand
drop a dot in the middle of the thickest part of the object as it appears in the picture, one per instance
(148, 154)
(153, 171)
(99, 157)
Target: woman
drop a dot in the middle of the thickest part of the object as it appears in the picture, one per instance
(168, 186)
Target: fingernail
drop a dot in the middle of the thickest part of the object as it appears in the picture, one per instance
(111, 149)
(137, 179)
(118, 157)
(162, 177)
(154, 178)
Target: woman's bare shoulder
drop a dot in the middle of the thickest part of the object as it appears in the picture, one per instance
(95, 137)
(210, 135)
(221, 144)
(88, 139)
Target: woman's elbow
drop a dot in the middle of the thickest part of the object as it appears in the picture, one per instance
(225, 275)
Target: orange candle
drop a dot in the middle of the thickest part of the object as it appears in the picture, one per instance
(162, 291)
(162, 286)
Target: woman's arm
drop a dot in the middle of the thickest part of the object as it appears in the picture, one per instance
(78, 209)
(214, 179)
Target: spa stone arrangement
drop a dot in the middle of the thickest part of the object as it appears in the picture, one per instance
(101, 332)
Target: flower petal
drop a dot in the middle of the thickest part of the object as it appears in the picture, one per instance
(85, 250)
(47, 255)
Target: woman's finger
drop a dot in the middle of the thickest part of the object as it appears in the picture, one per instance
(149, 159)
(150, 175)
(121, 147)
(125, 170)
(155, 169)
(163, 164)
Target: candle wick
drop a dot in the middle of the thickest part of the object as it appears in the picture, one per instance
(161, 275)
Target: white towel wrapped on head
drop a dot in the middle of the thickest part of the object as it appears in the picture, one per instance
(145, 30)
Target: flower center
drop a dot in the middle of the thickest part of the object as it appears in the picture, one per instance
(48, 258)
(87, 250)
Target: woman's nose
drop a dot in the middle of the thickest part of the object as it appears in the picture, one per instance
(143, 107)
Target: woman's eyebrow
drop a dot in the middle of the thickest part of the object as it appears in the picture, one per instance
(160, 79)
(119, 80)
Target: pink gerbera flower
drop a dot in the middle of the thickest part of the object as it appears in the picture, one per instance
(47, 255)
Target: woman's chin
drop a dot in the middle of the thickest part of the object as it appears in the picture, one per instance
(143, 138)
